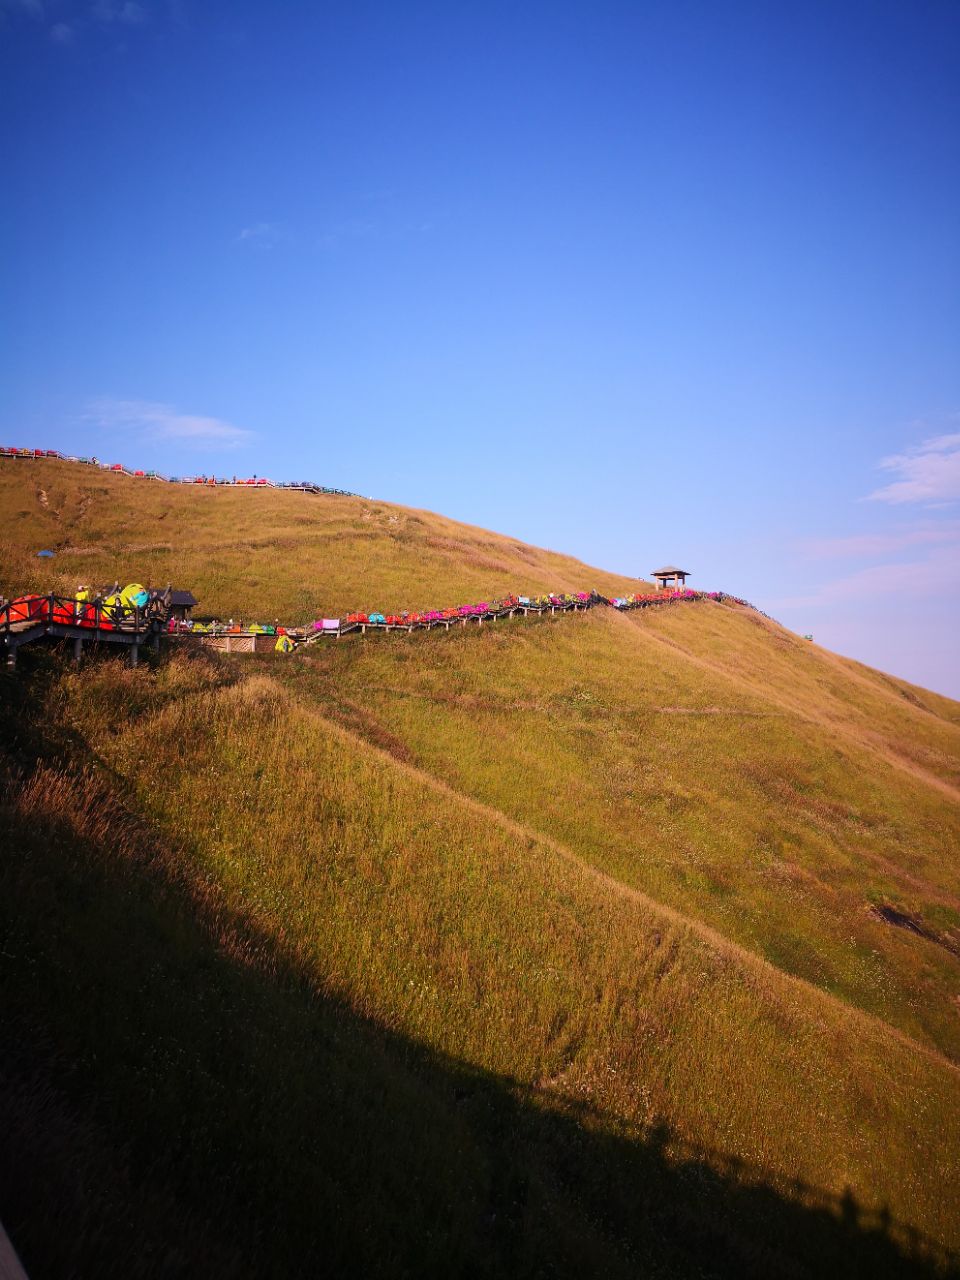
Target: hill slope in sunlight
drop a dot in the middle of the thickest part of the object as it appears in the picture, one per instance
(599, 944)
(261, 553)
(705, 756)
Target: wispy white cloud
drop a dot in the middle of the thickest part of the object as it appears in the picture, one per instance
(32, 8)
(867, 546)
(164, 422)
(127, 12)
(377, 229)
(349, 229)
(105, 13)
(928, 472)
(261, 235)
(936, 574)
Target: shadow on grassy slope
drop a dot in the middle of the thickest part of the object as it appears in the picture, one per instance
(179, 1099)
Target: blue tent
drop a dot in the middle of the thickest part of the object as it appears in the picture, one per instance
(46, 554)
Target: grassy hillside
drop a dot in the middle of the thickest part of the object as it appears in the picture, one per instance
(707, 757)
(610, 944)
(262, 553)
(284, 990)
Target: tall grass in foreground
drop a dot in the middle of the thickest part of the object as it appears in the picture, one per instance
(292, 997)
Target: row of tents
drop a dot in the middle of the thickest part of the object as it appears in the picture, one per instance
(306, 486)
(134, 606)
(107, 610)
(489, 610)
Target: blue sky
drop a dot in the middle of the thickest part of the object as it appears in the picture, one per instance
(644, 282)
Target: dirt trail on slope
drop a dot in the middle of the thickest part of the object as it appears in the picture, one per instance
(717, 941)
(865, 739)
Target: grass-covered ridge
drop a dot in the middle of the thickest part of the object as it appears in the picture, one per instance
(342, 1012)
(776, 792)
(602, 944)
(262, 553)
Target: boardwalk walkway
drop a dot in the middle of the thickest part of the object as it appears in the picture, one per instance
(32, 618)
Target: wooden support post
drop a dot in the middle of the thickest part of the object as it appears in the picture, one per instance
(78, 649)
(134, 654)
(155, 642)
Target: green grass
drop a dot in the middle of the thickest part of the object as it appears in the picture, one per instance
(545, 948)
(246, 924)
(711, 790)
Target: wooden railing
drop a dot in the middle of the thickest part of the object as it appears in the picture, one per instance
(53, 610)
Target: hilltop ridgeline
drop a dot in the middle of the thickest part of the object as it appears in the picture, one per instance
(278, 556)
(118, 468)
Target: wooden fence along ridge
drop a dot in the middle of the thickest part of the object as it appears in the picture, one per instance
(31, 618)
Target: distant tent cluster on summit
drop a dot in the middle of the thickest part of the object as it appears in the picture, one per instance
(234, 482)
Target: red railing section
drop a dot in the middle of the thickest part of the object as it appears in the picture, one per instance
(29, 611)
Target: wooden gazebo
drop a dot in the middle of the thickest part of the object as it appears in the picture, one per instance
(671, 578)
(181, 602)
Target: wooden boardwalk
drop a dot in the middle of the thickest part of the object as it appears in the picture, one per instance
(34, 618)
(83, 622)
(344, 628)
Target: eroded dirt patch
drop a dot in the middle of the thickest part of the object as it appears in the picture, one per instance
(904, 920)
(44, 501)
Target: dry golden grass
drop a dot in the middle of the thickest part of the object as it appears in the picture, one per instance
(465, 931)
(720, 766)
(550, 947)
(261, 554)
(470, 933)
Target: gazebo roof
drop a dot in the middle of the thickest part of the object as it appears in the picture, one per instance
(183, 599)
(179, 599)
(670, 572)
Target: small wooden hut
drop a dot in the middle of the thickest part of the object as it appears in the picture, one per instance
(181, 602)
(671, 578)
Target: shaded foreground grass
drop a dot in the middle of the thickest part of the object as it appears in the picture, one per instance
(276, 1005)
